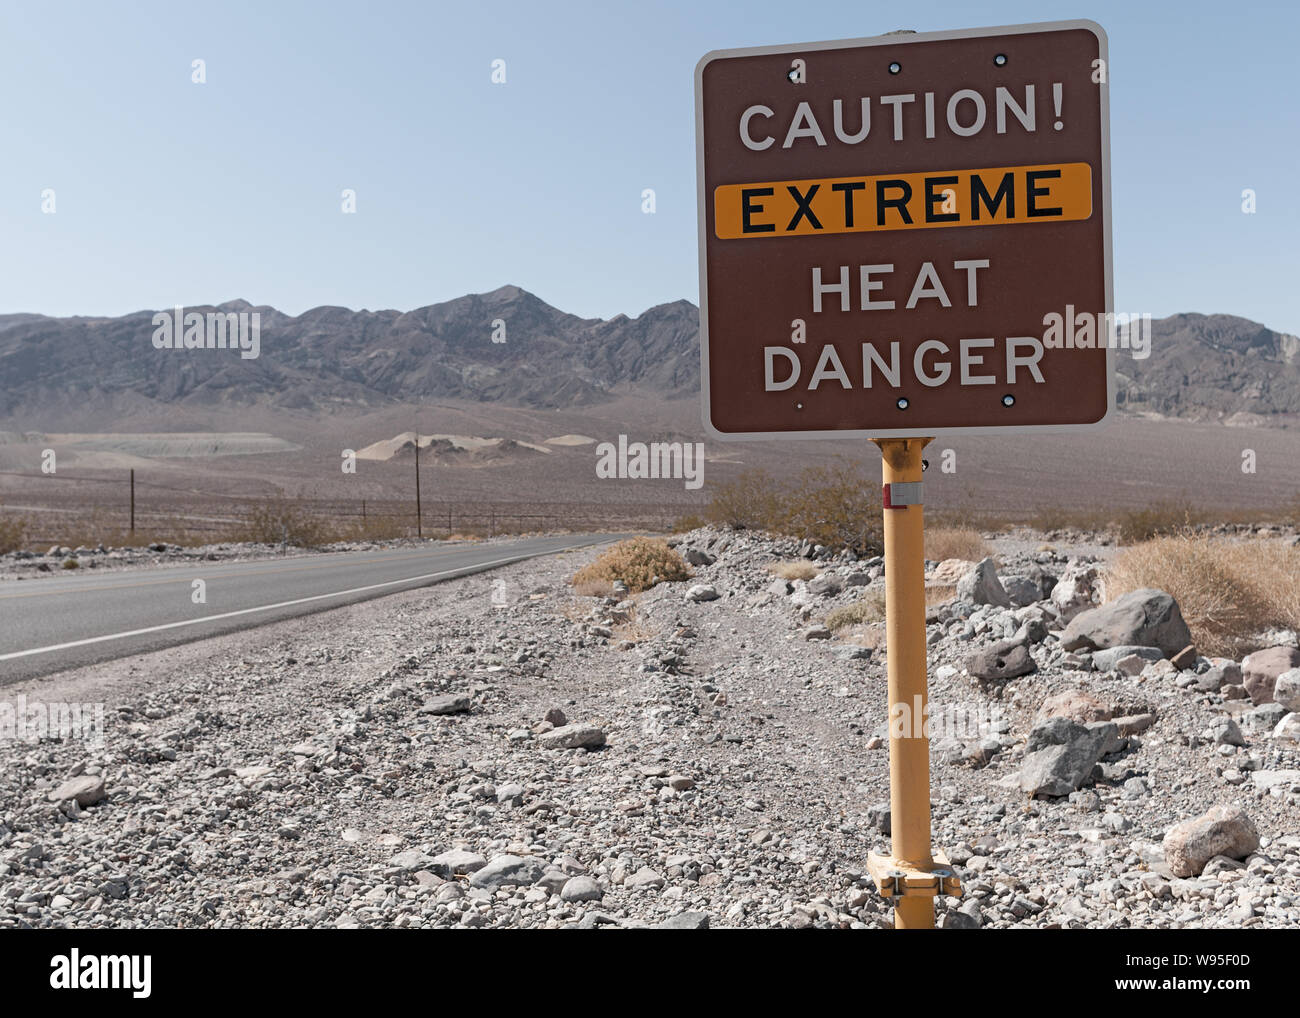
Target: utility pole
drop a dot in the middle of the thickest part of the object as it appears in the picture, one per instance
(133, 500)
(419, 527)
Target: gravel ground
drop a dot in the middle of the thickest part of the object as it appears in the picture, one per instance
(498, 752)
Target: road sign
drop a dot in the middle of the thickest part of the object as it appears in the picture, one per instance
(907, 235)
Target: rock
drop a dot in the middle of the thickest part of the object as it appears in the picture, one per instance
(411, 860)
(512, 793)
(702, 592)
(816, 633)
(451, 703)
(1223, 830)
(1262, 719)
(1108, 660)
(1134, 724)
(1146, 618)
(1226, 732)
(1004, 660)
(644, 877)
(1260, 671)
(779, 587)
(85, 790)
(556, 717)
(581, 888)
(1021, 590)
(698, 557)
(1076, 705)
(681, 782)
(573, 737)
(1286, 690)
(1288, 728)
(826, 584)
(456, 861)
(878, 817)
(1266, 780)
(1060, 754)
(507, 871)
(685, 921)
(948, 572)
(1185, 658)
(1076, 590)
(981, 586)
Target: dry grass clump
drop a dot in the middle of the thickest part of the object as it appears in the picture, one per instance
(795, 569)
(837, 506)
(1227, 590)
(593, 588)
(13, 531)
(283, 521)
(639, 563)
(866, 610)
(955, 542)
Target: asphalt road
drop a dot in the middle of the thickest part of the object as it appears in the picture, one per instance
(51, 625)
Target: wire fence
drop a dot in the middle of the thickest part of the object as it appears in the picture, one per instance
(89, 510)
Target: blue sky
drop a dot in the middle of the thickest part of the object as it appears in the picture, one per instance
(169, 192)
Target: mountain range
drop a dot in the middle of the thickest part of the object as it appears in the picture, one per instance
(332, 359)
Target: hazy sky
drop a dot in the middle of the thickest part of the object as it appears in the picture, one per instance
(171, 192)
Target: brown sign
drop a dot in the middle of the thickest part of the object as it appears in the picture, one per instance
(907, 234)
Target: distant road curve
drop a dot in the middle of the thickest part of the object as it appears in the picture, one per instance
(51, 625)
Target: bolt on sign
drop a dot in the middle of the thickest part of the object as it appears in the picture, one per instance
(907, 235)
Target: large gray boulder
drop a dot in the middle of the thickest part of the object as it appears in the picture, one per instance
(1060, 754)
(1144, 618)
(982, 586)
(508, 871)
(1000, 661)
(1223, 830)
(1261, 669)
(573, 737)
(1286, 690)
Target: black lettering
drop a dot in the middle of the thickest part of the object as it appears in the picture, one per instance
(803, 211)
(848, 190)
(1006, 191)
(748, 208)
(1032, 192)
(900, 204)
(931, 199)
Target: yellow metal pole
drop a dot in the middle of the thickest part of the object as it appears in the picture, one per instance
(909, 749)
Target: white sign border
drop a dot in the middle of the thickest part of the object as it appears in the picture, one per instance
(895, 40)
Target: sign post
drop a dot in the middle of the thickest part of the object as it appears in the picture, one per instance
(902, 237)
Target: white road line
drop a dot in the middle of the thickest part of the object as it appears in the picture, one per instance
(282, 604)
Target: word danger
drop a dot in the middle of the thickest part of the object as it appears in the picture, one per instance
(963, 113)
(977, 361)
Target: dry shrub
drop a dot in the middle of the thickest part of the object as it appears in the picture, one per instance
(283, 521)
(1227, 590)
(1160, 519)
(691, 521)
(863, 611)
(639, 563)
(13, 530)
(795, 569)
(955, 542)
(837, 506)
(593, 588)
(750, 502)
